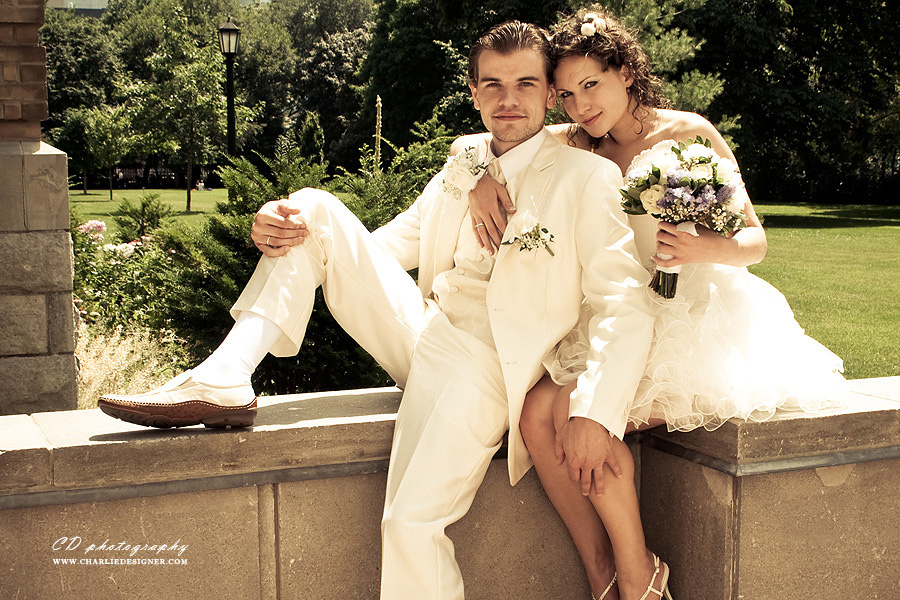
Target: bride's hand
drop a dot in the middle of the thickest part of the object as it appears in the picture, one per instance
(743, 248)
(277, 228)
(489, 204)
(685, 247)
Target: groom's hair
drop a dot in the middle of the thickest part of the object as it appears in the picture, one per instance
(510, 37)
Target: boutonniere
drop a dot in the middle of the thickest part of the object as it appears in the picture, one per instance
(462, 171)
(532, 235)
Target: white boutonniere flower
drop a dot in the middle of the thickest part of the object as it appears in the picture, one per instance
(532, 235)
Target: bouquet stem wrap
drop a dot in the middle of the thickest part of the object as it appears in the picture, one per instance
(665, 280)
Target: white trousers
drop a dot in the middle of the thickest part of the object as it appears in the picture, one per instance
(450, 423)
(454, 410)
(370, 295)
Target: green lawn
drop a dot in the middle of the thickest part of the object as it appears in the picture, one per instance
(96, 204)
(838, 267)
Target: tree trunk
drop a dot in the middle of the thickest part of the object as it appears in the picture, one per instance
(84, 182)
(110, 183)
(189, 178)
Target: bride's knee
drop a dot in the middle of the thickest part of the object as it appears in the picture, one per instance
(536, 420)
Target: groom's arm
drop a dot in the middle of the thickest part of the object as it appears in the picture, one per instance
(614, 283)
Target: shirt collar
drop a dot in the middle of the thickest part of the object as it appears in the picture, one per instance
(517, 158)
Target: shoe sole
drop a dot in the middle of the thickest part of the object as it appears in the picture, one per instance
(216, 420)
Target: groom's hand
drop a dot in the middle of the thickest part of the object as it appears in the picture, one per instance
(586, 447)
(277, 228)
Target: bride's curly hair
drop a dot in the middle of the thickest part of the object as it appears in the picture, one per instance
(614, 46)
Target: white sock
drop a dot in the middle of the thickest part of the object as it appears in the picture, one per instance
(233, 362)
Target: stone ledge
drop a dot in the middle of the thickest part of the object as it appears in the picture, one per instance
(868, 428)
(292, 436)
(307, 436)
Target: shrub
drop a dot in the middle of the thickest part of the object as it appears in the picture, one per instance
(137, 221)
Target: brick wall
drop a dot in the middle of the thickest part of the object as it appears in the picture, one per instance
(23, 70)
(37, 360)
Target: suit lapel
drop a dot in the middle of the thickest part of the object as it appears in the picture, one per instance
(529, 190)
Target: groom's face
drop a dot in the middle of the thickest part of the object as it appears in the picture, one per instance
(513, 95)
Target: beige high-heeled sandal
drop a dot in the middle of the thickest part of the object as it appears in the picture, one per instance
(609, 587)
(663, 590)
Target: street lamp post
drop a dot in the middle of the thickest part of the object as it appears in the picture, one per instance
(229, 37)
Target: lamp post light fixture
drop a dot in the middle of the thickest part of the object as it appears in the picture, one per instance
(229, 38)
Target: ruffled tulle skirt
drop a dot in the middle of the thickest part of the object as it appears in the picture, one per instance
(726, 346)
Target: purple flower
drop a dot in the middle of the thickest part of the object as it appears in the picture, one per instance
(676, 175)
(725, 192)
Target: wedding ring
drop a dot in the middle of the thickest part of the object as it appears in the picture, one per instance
(479, 225)
(268, 237)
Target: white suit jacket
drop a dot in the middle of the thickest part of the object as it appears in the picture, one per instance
(534, 298)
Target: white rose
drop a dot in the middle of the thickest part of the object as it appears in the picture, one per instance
(728, 171)
(651, 196)
(665, 164)
(528, 222)
(696, 152)
(588, 29)
(702, 171)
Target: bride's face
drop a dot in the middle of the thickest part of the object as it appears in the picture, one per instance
(593, 96)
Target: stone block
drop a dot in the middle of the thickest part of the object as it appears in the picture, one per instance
(19, 130)
(689, 521)
(46, 189)
(36, 110)
(512, 543)
(12, 111)
(324, 526)
(24, 14)
(215, 532)
(830, 532)
(7, 35)
(33, 384)
(25, 459)
(10, 72)
(37, 262)
(12, 192)
(60, 323)
(94, 450)
(23, 325)
(866, 422)
(33, 73)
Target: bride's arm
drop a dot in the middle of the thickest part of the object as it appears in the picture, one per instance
(745, 247)
(489, 202)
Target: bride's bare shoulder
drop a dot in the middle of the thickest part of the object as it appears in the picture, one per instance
(467, 141)
(680, 125)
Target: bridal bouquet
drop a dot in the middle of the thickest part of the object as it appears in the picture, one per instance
(687, 184)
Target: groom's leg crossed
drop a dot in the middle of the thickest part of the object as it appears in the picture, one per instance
(366, 289)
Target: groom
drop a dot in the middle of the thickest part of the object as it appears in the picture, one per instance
(468, 343)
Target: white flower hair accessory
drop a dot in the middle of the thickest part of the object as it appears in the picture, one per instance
(462, 172)
(592, 24)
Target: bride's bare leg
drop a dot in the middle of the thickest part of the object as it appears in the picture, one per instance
(617, 509)
(576, 511)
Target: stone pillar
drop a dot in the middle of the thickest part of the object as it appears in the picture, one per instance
(37, 342)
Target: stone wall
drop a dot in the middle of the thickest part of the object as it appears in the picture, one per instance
(37, 360)
(797, 507)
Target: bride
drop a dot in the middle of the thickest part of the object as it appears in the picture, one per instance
(725, 346)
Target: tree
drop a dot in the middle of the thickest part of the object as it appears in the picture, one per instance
(83, 66)
(813, 82)
(83, 71)
(109, 136)
(328, 86)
